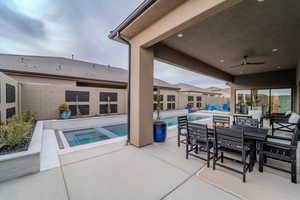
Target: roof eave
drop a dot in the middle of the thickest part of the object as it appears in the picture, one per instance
(135, 14)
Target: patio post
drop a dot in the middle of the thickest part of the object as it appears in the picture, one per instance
(141, 102)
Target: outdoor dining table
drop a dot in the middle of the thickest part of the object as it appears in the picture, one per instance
(257, 135)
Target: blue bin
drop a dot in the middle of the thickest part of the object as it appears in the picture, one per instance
(190, 109)
(159, 131)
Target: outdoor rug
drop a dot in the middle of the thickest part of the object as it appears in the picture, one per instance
(269, 185)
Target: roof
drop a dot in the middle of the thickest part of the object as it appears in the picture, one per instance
(65, 67)
(136, 13)
(189, 88)
(147, 13)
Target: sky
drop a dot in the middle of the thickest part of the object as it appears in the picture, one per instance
(65, 27)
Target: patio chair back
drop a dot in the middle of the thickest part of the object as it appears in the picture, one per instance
(230, 138)
(197, 133)
(182, 122)
(247, 122)
(295, 137)
(221, 120)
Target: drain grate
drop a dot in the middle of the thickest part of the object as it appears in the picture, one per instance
(59, 141)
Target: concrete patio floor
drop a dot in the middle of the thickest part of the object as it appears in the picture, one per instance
(116, 171)
(158, 171)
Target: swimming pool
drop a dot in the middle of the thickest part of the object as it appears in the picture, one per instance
(85, 136)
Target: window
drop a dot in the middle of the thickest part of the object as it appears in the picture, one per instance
(171, 102)
(82, 109)
(10, 112)
(171, 98)
(105, 108)
(190, 98)
(198, 104)
(281, 100)
(173, 106)
(169, 106)
(108, 96)
(10, 93)
(242, 101)
(77, 96)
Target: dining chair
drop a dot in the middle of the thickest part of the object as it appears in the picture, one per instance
(284, 150)
(198, 141)
(182, 124)
(219, 120)
(247, 122)
(231, 141)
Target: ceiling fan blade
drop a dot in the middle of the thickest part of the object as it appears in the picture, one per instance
(235, 66)
(255, 63)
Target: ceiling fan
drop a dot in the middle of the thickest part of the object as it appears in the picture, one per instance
(245, 62)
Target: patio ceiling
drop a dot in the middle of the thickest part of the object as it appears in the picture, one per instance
(249, 28)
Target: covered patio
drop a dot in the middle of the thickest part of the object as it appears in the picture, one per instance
(251, 44)
(158, 171)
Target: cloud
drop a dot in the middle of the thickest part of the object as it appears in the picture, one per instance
(27, 25)
(63, 27)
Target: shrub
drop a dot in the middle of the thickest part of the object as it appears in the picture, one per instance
(29, 116)
(16, 128)
(63, 108)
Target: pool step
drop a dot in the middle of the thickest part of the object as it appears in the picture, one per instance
(106, 132)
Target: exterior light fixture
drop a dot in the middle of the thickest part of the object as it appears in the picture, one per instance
(278, 67)
(274, 50)
(260, 1)
(222, 60)
(180, 35)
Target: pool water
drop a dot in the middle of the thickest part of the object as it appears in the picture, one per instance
(90, 135)
(85, 136)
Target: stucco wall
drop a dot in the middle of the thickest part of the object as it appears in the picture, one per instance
(4, 79)
(45, 99)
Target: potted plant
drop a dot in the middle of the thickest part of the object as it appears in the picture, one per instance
(64, 111)
(159, 127)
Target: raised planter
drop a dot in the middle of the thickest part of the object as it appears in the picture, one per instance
(26, 162)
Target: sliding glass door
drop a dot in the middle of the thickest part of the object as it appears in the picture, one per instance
(261, 100)
(266, 100)
(243, 101)
(281, 100)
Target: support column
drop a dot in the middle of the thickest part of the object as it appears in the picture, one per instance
(141, 102)
(297, 88)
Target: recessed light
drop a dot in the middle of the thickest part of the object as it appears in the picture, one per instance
(274, 50)
(222, 60)
(259, 1)
(180, 35)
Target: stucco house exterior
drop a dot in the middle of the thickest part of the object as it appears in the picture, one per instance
(47, 82)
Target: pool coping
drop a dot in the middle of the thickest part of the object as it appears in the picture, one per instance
(69, 149)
